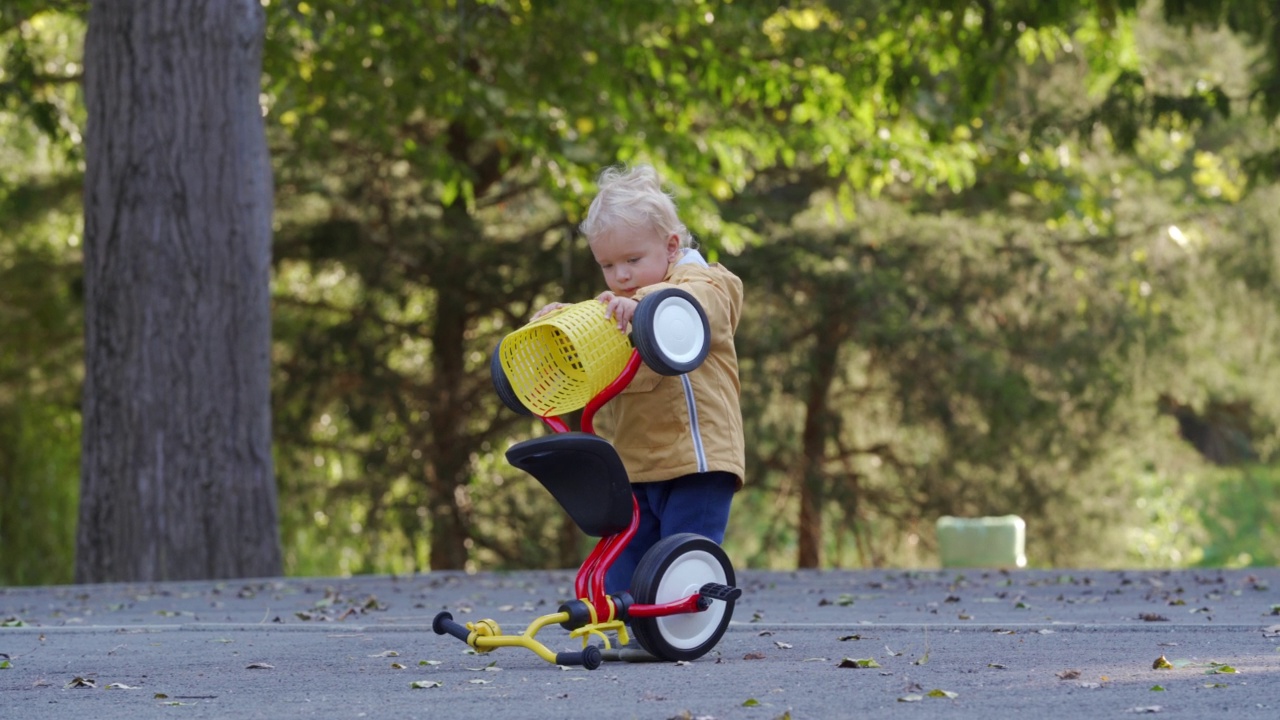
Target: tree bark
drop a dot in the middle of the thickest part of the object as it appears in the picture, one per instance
(814, 438)
(449, 464)
(177, 478)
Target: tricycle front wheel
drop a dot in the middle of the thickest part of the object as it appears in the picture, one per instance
(671, 332)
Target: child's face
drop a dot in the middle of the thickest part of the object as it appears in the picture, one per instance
(630, 262)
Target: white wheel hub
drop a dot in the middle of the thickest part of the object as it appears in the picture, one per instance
(678, 331)
(686, 576)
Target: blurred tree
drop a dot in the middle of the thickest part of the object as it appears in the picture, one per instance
(40, 349)
(442, 187)
(41, 294)
(991, 345)
(433, 157)
(177, 470)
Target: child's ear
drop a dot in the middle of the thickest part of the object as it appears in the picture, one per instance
(673, 247)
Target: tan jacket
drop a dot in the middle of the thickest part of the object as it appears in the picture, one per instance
(666, 427)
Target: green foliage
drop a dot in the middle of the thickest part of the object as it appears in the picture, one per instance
(999, 255)
(1239, 509)
(40, 293)
(40, 370)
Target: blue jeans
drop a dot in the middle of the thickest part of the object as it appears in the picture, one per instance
(697, 503)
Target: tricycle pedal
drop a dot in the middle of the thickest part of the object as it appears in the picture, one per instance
(716, 591)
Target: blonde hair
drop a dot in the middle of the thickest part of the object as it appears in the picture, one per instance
(633, 199)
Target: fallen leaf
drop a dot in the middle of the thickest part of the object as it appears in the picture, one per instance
(846, 638)
(385, 653)
(429, 662)
(397, 666)
(478, 681)
(891, 652)
(1153, 617)
(753, 656)
(782, 645)
(1162, 663)
(1157, 688)
(997, 666)
(936, 693)
(425, 684)
(750, 702)
(1069, 674)
(259, 666)
(1271, 631)
(1146, 709)
(120, 686)
(911, 698)
(1221, 668)
(858, 663)
(81, 683)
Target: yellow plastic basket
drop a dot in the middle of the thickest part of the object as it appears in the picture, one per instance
(558, 362)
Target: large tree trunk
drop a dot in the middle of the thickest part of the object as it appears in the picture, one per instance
(813, 478)
(177, 476)
(449, 467)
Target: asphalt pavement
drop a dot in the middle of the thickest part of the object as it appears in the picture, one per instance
(971, 643)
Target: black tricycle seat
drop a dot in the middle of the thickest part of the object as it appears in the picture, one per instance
(584, 474)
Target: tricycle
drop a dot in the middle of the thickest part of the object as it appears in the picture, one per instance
(682, 594)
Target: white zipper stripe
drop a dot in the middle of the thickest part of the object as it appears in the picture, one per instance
(692, 406)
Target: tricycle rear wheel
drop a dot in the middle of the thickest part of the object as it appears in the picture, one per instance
(674, 568)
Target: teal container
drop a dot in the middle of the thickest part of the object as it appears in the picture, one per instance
(996, 542)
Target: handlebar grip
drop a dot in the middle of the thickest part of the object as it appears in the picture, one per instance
(444, 624)
(590, 658)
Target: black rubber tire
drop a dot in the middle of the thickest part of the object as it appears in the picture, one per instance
(644, 333)
(674, 568)
(502, 386)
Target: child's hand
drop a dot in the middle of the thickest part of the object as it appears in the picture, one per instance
(549, 307)
(619, 308)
